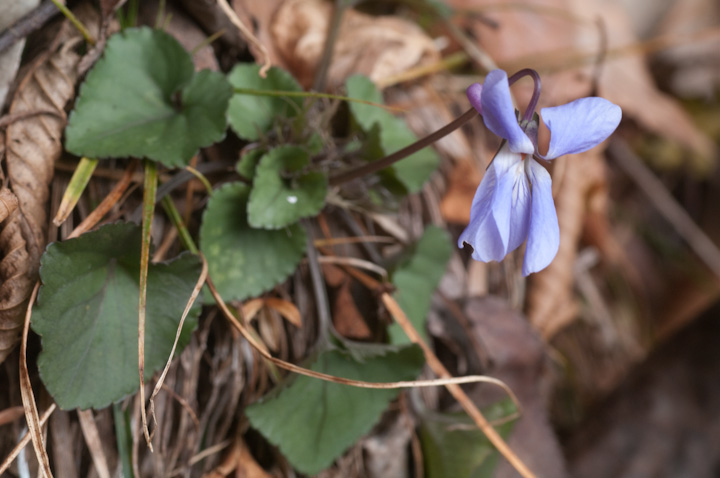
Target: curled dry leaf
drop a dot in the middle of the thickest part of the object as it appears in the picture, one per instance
(238, 462)
(8, 203)
(377, 47)
(12, 10)
(287, 309)
(31, 147)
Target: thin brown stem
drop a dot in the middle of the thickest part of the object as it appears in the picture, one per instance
(383, 163)
(327, 54)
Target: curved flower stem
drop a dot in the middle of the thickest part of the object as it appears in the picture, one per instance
(383, 163)
(530, 110)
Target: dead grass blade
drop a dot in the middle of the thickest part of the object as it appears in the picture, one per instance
(149, 194)
(78, 183)
(455, 390)
(94, 442)
(24, 441)
(188, 306)
(110, 200)
(28, 397)
(252, 39)
(260, 347)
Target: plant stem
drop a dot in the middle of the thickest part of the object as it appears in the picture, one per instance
(177, 221)
(530, 110)
(149, 193)
(332, 34)
(74, 20)
(321, 298)
(383, 163)
(310, 94)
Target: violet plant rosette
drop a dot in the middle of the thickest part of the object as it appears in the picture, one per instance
(514, 200)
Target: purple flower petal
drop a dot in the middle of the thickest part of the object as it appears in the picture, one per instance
(482, 233)
(499, 114)
(544, 235)
(521, 204)
(579, 125)
(495, 223)
(474, 94)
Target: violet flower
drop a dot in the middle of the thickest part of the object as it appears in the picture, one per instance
(514, 200)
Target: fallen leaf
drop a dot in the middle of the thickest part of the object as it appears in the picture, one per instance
(286, 309)
(626, 81)
(238, 462)
(347, 319)
(251, 308)
(12, 10)
(694, 57)
(377, 47)
(518, 357)
(551, 302)
(8, 203)
(32, 145)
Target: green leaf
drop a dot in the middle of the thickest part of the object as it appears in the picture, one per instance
(417, 279)
(243, 261)
(245, 167)
(87, 314)
(252, 115)
(413, 171)
(143, 98)
(282, 192)
(313, 422)
(454, 446)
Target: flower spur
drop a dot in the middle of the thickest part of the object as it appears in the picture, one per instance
(514, 200)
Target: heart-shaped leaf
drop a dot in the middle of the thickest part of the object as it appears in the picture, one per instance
(313, 422)
(87, 315)
(413, 171)
(252, 115)
(282, 194)
(243, 261)
(245, 167)
(143, 98)
(453, 446)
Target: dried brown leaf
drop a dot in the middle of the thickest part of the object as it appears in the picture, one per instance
(462, 184)
(238, 462)
(286, 309)
(377, 47)
(347, 319)
(518, 357)
(551, 301)
(556, 34)
(32, 145)
(93, 441)
(626, 81)
(251, 308)
(8, 203)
